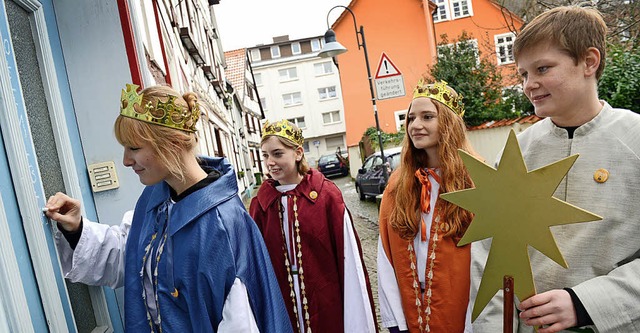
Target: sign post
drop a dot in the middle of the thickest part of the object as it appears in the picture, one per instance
(388, 79)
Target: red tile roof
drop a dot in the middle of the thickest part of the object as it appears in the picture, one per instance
(506, 122)
(236, 64)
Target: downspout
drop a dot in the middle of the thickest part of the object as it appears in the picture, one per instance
(156, 13)
(129, 42)
(429, 8)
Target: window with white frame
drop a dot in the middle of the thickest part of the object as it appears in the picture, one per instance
(467, 46)
(335, 142)
(275, 51)
(331, 117)
(442, 11)
(258, 78)
(287, 74)
(327, 92)
(295, 48)
(400, 117)
(504, 48)
(460, 8)
(451, 10)
(298, 121)
(315, 45)
(292, 99)
(263, 102)
(323, 68)
(255, 54)
(305, 146)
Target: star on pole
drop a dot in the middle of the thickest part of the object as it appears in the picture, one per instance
(516, 208)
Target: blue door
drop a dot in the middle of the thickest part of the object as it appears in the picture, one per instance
(38, 159)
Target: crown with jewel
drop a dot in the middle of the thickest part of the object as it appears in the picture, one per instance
(283, 129)
(165, 113)
(440, 92)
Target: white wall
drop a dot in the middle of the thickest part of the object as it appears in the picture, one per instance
(490, 142)
(312, 108)
(97, 67)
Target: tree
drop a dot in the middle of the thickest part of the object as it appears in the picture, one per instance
(620, 81)
(477, 78)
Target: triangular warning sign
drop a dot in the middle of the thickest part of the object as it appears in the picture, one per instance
(386, 68)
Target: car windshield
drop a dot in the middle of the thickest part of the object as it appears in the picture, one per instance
(394, 161)
(328, 159)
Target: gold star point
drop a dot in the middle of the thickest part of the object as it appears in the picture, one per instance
(515, 207)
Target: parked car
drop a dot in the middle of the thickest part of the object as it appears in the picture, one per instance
(333, 164)
(370, 179)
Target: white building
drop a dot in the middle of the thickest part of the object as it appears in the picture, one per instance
(295, 84)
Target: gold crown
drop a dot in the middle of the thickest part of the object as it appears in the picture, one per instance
(283, 129)
(440, 92)
(162, 113)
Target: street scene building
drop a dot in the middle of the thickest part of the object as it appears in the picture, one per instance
(66, 62)
(295, 84)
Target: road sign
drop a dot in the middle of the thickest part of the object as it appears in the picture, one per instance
(388, 79)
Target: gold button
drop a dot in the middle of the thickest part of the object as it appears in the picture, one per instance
(313, 194)
(601, 175)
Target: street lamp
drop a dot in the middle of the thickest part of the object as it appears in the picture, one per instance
(332, 48)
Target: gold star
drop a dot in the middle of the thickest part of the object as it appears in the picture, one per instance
(516, 208)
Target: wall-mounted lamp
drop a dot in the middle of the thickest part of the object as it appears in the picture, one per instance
(332, 48)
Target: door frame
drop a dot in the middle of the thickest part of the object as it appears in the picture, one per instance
(29, 191)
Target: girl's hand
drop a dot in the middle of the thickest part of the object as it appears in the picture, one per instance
(64, 210)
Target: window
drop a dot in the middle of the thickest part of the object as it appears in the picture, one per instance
(295, 48)
(305, 146)
(288, 74)
(460, 8)
(504, 48)
(263, 102)
(400, 117)
(331, 117)
(255, 54)
(327, 92)
(299, 121)
(334, 142)
(451, 10)
(442, 12)
(315, 45)
(464, 48)
(258, 78)
(275, 51)
(323, 68)
(292, 99)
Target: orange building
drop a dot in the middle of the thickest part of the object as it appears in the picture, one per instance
(490, 26)
(403, 30)
(406, 32)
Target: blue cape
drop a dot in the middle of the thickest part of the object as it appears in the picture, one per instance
(211, 241)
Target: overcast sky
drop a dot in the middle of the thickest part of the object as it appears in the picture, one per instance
(246, 23)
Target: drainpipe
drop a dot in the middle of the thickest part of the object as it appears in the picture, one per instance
(161, 38)
(129, 42)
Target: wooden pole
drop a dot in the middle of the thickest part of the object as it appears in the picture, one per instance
(507, 287)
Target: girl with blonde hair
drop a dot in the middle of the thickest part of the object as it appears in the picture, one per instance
(191, 259)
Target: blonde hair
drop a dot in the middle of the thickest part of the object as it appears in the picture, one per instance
(573, 29)
(302, 166)
(405, 215)
(167, 143)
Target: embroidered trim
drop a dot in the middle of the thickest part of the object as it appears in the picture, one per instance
(154, 278)
(303, 293)
(288, 266)
(423, 301)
